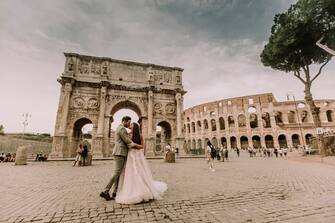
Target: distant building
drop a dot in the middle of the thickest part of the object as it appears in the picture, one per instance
(255, 121)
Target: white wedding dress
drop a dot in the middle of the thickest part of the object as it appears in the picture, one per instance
(136, 183)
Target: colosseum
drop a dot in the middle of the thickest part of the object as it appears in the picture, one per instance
(253, 121)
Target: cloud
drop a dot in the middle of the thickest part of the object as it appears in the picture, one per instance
(217, 43)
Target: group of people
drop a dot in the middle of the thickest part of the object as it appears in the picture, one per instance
(82, 152)
(7, 157)
(212, 152)
(268, 152)
(131, 179)
(41, 157)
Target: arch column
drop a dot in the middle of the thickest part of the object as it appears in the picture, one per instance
(150, 139)
(98, 143)
(60, 139)
(179, 137)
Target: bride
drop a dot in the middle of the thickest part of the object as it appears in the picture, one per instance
(136, 183)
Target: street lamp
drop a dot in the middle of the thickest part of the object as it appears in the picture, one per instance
(25, 122)
(296, 109)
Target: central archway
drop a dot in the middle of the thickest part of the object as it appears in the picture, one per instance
(122, 106)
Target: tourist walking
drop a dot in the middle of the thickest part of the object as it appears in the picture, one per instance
(238, 152)
(210, 155)
(281, 152)
(222, 153)
(276, 152)
(225, 152)
(285, 151)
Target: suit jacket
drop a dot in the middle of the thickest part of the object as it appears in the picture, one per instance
(121, 142)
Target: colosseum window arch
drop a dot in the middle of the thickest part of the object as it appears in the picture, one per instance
(269, 143)
(242, 122)
(198, 126)
(266, 120)
(231, 121)
(193, 144)
(279, 117)
(205, 124)
(193, 126)
(213, 124)
(256, 141)
(282, 141)
(329, 114)
(295, 140)
(199, 144)
(233, 142)
(224, 142)
(308, 138)
(253, 120)
(221, 123)
(188, 128)
(291, 117)
(304, 116)
(244, 142)
(215, 142)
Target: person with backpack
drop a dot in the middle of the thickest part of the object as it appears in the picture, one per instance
(210, 154)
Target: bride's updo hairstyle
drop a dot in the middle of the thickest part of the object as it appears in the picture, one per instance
(136, 133)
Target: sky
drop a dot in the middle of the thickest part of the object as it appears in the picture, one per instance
(217, 42)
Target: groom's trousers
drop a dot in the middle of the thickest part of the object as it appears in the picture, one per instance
(119, 162)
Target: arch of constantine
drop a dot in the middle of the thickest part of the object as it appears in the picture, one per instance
(253, 121)
(93, 89)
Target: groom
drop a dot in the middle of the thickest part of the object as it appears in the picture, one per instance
(120, 153)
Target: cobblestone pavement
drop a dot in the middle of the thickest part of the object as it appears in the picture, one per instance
(241, 190)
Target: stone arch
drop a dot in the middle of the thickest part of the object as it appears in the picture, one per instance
(233, 142)
(329, 114)
(244, 142)
(266, 120)
(205, 124)
(99, 98)
(253, 120)
(189, 145)
(269, 143)
(224, 142)
(304, 116)
(291, 117)
(199, 144)
(194, 145)
(282, 141)
(242, 121)
(215, 142)
(295, 140)
(231, 121)
(75, 140)
(128, 104)
(198, 126)
(308, 138)
(193, 127)
(163, 137)
(188, 128)
(279, 117)
(221, 123)
(213, 124)
(256, 141)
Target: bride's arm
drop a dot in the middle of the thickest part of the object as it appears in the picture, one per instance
(134, 146)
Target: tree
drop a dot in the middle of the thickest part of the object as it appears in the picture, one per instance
(292, 44)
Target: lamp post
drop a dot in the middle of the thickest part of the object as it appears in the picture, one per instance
(25, 122)
(299, 124)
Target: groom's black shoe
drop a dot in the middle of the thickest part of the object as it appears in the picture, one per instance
(106, 196)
